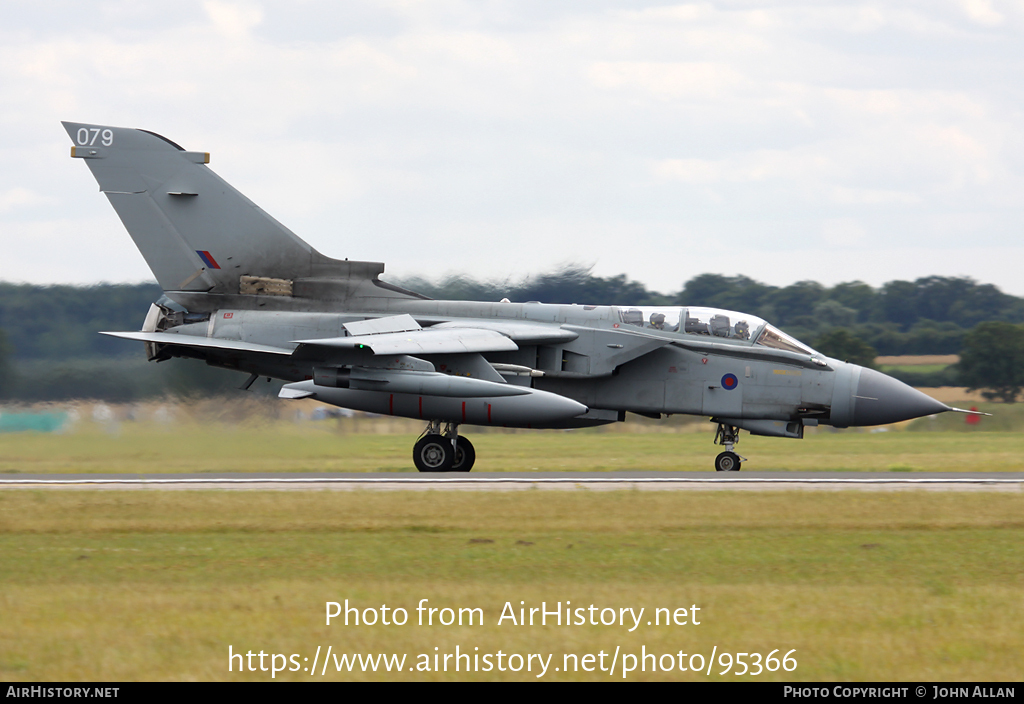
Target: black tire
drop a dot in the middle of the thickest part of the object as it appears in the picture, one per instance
(727, 462)
(433, 453)
(465, 455)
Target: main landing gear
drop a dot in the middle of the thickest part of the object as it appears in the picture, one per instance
(728, 461)
(443, 451)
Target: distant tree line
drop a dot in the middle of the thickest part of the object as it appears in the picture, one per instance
(7, 375)
(50, 349)
(572, 284)
(926, 316)
(61, 322)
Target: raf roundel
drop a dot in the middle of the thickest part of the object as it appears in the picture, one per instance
(730, 382)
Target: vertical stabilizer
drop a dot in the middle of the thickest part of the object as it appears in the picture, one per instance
(196, 232)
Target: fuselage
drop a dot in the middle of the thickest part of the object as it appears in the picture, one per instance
(612, 360)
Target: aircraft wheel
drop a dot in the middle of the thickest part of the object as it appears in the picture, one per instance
(727, 462)
(433, 453)
(465, 455)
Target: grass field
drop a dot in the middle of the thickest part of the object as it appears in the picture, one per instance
(921, 368)
(144, 585)
(917, 360)
(156, 585)
(354, 445)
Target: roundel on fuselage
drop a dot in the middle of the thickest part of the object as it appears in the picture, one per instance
(730, 382)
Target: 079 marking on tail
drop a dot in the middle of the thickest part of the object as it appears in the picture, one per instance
(271, 305)
(86, 136)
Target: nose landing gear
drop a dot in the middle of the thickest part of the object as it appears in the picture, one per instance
(443, 451)
(728, 461)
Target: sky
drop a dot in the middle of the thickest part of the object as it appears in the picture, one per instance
(784, 141)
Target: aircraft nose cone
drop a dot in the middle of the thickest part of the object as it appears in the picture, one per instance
(880, 399)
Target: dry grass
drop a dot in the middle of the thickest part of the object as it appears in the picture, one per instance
(914, 360)
(145, 585)
(957, 396)
(330, 446)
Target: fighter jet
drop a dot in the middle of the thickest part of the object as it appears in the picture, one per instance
(242, 292)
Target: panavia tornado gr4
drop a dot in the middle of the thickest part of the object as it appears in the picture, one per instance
(243, 292)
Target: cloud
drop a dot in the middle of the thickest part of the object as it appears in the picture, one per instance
(843, 233)
(18, 198)
(234, 20)
(982, 12)
(755, 166)
(453, 130)
(667, 81)
(871, 196)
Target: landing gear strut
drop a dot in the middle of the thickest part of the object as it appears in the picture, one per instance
(443, 451)
(728, 461)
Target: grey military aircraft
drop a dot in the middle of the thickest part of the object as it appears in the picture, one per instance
(243, 292)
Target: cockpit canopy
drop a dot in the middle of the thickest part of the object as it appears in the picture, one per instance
(712, 322)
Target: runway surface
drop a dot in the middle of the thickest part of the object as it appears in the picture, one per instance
(657, 481)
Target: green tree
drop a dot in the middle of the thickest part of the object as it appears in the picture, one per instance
(738, 293)
(60, 322)
(856, 295)
(571, 284)
(6, 367)
(993, 360)
(834, 314)
(796, 301)
(839, 343)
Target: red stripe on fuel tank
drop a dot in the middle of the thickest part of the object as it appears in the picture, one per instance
(463, 411)
(488, 414)
(421, 407)
(391, 404)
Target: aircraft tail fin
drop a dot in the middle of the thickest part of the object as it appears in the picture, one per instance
(196, 232)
